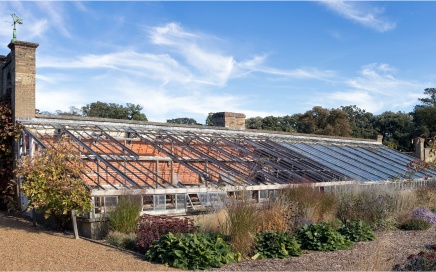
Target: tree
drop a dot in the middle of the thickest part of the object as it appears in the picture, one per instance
(431, 99)
(290, 123)
(323, 121)
(286, 123)
(183, 121)
(52, 182)
(396, 128)
(254, 123)
(361, 122)
(209, 119)
(114, 111)
(424, 116)
(424, 121)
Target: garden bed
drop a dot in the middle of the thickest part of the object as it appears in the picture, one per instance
(390, 248)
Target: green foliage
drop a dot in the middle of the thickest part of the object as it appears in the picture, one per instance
(120, 239)
(285, 123)
(124, 218)
(321, 237)
(396, 128)
(415, 224)
(424, 120)
(357, 231)
(323, 121)
(277, 245)
(9, 132)
(361, 122)
(183, 121)
(52, 181)
(335, 223)
(209, 119)
(114, 111)
(430, 100)
(198, 251)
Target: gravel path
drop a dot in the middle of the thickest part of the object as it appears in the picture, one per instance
(25, 247)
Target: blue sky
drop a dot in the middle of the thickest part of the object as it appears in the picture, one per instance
(186, 59)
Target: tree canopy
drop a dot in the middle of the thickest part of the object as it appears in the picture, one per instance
(183, 121)
(396, 128)
(114, 111)
(430, 100)
(323, 121)
(361, 122)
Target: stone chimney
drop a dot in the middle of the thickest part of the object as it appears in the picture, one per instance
(229, 120)
(419, 148)
(18, 78)
(380, 138)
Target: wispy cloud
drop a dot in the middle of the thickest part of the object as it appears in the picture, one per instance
(360, 13)
(375, 88)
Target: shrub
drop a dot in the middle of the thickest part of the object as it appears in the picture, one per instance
(120, 239)
(321, 237)
(124, 218)
(423, 261)
(273, 244)
(425, 214)
(415, 224)
(368, 204)
(356, 231)
(191, 251)
(151, 228)
(385, 224)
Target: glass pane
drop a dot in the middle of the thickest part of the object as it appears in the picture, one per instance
(159, 202)
(181, 201)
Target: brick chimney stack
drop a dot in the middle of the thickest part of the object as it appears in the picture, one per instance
(18, 71)
(229, 120)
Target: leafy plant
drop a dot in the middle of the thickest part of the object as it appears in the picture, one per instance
(151, 228)
(273, 244)
(191, 251)
(425, 260)
(124, 218)
(321, 237)
(9, 132)
(52, 182)
(415, 224)
(356, 231)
